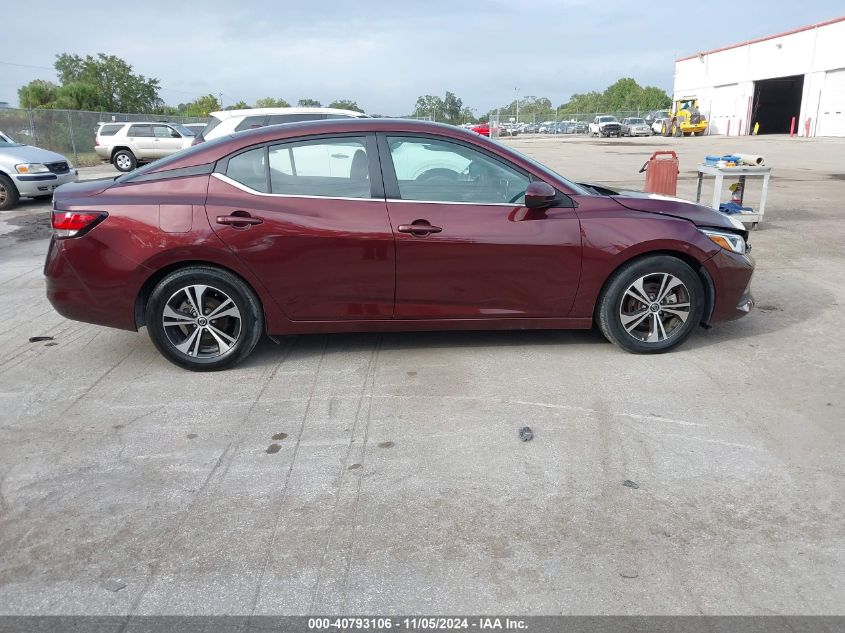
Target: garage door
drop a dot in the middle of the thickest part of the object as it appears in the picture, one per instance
(832, 105)
(723, 109)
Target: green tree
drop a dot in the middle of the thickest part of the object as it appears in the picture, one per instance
(117, 87)
(345, 104)
(624, 94)
(38, 93)
(202, 106)
(452, 108)
(309, 103)
(240, 105)
(429, 106)
(270, 102)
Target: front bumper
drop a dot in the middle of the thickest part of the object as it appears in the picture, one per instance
(731, 275)
(42, 184)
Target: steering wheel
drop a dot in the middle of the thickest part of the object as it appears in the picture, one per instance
(516, 197)
(439, 173)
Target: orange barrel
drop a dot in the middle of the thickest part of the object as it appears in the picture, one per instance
(662, 173)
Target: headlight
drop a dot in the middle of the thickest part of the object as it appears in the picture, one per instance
(728, 241)
(31, 168)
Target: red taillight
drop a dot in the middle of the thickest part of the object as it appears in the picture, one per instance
(76, 223)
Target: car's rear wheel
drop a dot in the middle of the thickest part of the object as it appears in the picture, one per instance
(203, 318)
(651, 305)
(124, 160)
(8, 193)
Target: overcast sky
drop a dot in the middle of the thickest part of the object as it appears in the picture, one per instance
(385, 53)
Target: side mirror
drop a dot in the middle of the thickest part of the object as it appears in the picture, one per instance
(540, 195)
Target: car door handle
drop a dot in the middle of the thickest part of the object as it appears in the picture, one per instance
(419, 228)
(239, 219)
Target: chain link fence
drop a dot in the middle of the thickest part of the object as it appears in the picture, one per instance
(71, 132)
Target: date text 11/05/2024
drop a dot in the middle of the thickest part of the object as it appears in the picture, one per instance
(417, 624)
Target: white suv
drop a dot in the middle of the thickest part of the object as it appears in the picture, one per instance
(230, 121)
(126, 145)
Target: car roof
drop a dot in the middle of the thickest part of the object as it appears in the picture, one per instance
(228, 114)
(102, 123)
(214, 150)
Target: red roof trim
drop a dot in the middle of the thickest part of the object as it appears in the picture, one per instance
(763, 39)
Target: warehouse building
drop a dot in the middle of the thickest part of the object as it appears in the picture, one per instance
(770, 80)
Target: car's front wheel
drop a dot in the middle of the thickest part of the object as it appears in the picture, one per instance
(651, 305)
(203, 318)
(124, 160)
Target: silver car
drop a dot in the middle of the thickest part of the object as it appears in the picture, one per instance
(635, 126)
(30, 172)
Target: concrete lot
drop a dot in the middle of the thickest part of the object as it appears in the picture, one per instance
(383, 473)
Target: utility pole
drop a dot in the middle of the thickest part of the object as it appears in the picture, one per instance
(516, 92)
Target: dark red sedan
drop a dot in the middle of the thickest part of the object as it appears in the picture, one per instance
(376, 224)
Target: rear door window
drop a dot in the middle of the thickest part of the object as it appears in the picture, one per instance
(331, 168)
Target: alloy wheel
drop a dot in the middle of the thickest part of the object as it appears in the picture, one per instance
(123, 161)
(655, 307)
(201, 321)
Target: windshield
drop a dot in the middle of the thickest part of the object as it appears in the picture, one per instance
(6, 140)
(636, 121)
(607, 119)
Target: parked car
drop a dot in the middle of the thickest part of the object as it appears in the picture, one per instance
(484, 129)
(545, 127)
(635, 126)
(229, 121)
(30, 172)
(656, 119)
(128, 144)
(329, 226)
(582, 127)
(605, 125)
(196, 128)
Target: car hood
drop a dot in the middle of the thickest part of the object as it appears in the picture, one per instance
(30, 154)
(667, 205)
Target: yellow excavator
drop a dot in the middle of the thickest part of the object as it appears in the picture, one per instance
(686, 121)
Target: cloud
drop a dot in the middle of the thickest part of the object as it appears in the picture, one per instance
(385, 54)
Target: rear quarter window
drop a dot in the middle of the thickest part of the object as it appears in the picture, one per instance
(110, 130)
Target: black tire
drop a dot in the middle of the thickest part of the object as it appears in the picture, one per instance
(204, 352)
(8, 193)
(124, 160)
(616, 303)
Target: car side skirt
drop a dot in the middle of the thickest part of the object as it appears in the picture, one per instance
(427, 325)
